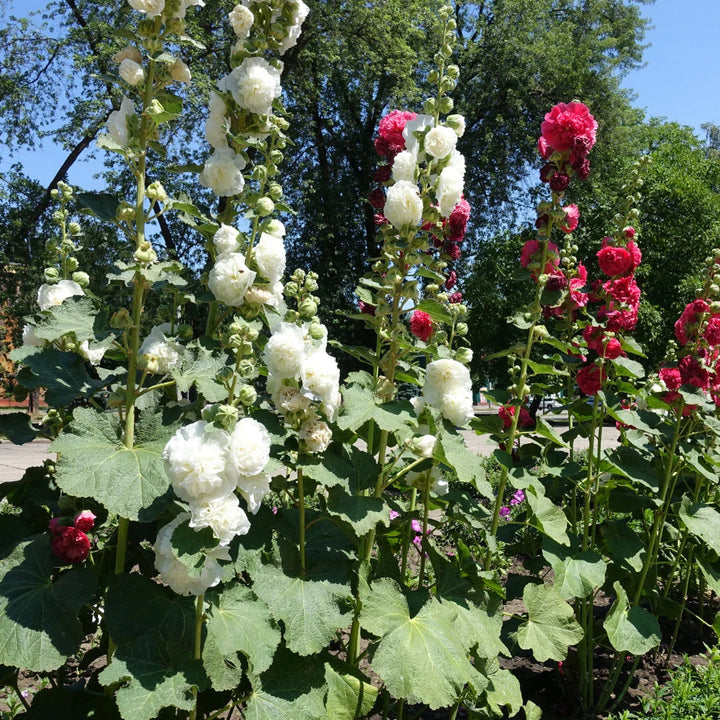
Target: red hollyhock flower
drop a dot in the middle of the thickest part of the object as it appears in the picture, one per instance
(544, 148)
(383, 173)
(692, 373)
(567, 126)
(579, 298)
(624, 290)
(581, 166)
(590, 378)
(612, 349)
(557, 280)
(531, 254)
(671, 377)
(377, 198)
(71, 545)
(458, 220)
(456, 297)
(452, 249)
(451, 280)
(635, 253)
(689, 319)
(366, 308)
(380, 219)
(559, 181)
(712, 331)
(507, 412)
(614, 261)
(572, 215)
(85, 520)
(421, 325)
(629, 232)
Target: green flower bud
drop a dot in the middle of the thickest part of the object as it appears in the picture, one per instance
(146, 27)
(440, 337)
(145, 253)
(311, 284)
(432, 288)
(52, 275)
(429, 106)
(176, 26)
(164, 313)
(71, 263)
(59, 216)
(54, 194)
(260, 173)
(226, 416)
(74, 228)
(264, 206)
(125, 212)
(442, 297)
(307, 308)
(291, 289)
(155, 191)
(81, 278)
(121, 319)
(464, 355)
(246, 368)
(275, 191)
(276, 157)
(317, 331)
(461, 329)
(225, 374)
(384, 387)
(247, 395)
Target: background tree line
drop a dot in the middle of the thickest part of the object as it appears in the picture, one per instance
(356, 61)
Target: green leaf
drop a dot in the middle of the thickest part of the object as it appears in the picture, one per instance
(64, 376)
(17, 428)
(455, 453)
(711, 573)
(238, 622)
(547, 431)
(420, 656)
(361, 512)
(76, 315)
(630, 368)
(626, 547)
(309, 609)
(504, 692)
(349, 697)
(168, 109)
(437, 311)
(549, 518)
(200, 368)
(359, 406)
(154, 630)
(551, 626)
(292, 689)
(630, 630)
(576, 575)
(93, 462)
(633, 465)
(191, 546)
(101, 205)
(701, 520)
(39, 626)
(224, 669)
(351, 468)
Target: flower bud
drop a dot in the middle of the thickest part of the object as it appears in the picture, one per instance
(384, 387)
(260, 173)
(54, 194)
(291, 289)
(145, 253)
(429, 106)
(275, 191)
(121, 319)
(453, 71)
(155, 191)
(226, 416)
(442, 297)
(246, 368)
(175, 25)
(59, 216)
(461, 329)
(185, 332)
(74, 228)
(81, 278)
(317, 331)
(440, 337)
(276, 157)
(146, 27)
(180, 72)
(307, 308)
(464, 355)
(125, 212)
(71, 263)
(52, 275)
(264, 206)
(457, 123)
(432, 288)
(247, 395)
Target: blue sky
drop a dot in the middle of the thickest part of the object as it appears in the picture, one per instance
(680, 80)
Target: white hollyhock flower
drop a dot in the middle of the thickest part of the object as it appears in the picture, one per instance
(449, 189)
(180, 72)
(222, 172)
(299, 12)
(51, 295)
(226, 239)
(249, 449)
(93, 355)
(403, 205)
(260, 296)
(417, 125)
(288, 399)
(457, 123)
(175, 574)
(321, 380)
(269, 255)
(440, 141)
(404, 167)
(151, 8)
(216, 104)
(275, 227)
(196, 457)
(316, 434)
(30, 338)
(118, 122)
(448, 388)
(254, 488)
(224, 515)
(230, 279)
(284, 352)
(216, 130)
(254, 85)
(159, 353)
(131, 72)
(127, 52)
(241, 19)
(424, 446)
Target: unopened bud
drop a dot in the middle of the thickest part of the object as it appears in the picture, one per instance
(121, 319)
(384, 387)
(155, 191)
(307, 308)
(74, 228)
(81, 278)
(264, 206)
(432, 288)
(247, 395)
(145, 253)
(125, 212)
(52, 275)
(446, 103)
(71, 263)
(226, 416)
(291, 289)
(464, 355)
(275, 191)
(461, 329)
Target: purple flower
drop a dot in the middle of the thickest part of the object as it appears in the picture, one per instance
(394, 514)
(505, 512)
(517, 498)
(416, 526)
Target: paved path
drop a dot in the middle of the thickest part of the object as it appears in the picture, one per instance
(15, 458)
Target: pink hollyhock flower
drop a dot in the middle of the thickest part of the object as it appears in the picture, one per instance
(635, 253)
(504, 513)
(590, 378)
(712, 331)
(570, 127)
(451, 280)
(456, 297)
(421, 325)
(578, 297)
(517, 498)
(671, 377)
(692, 373)
(85, 520)
(458, 220)
(544, 148)
(392, 125)
(572, 216)
(377, 198)
(71, 545)
(394, 514)
(614, 261)
(531, 255)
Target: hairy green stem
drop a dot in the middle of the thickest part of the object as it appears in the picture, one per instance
(199, 619)
(426, 513)
(301, 508)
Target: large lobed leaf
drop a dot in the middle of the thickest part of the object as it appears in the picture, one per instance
(630, 629)
(93, 462)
